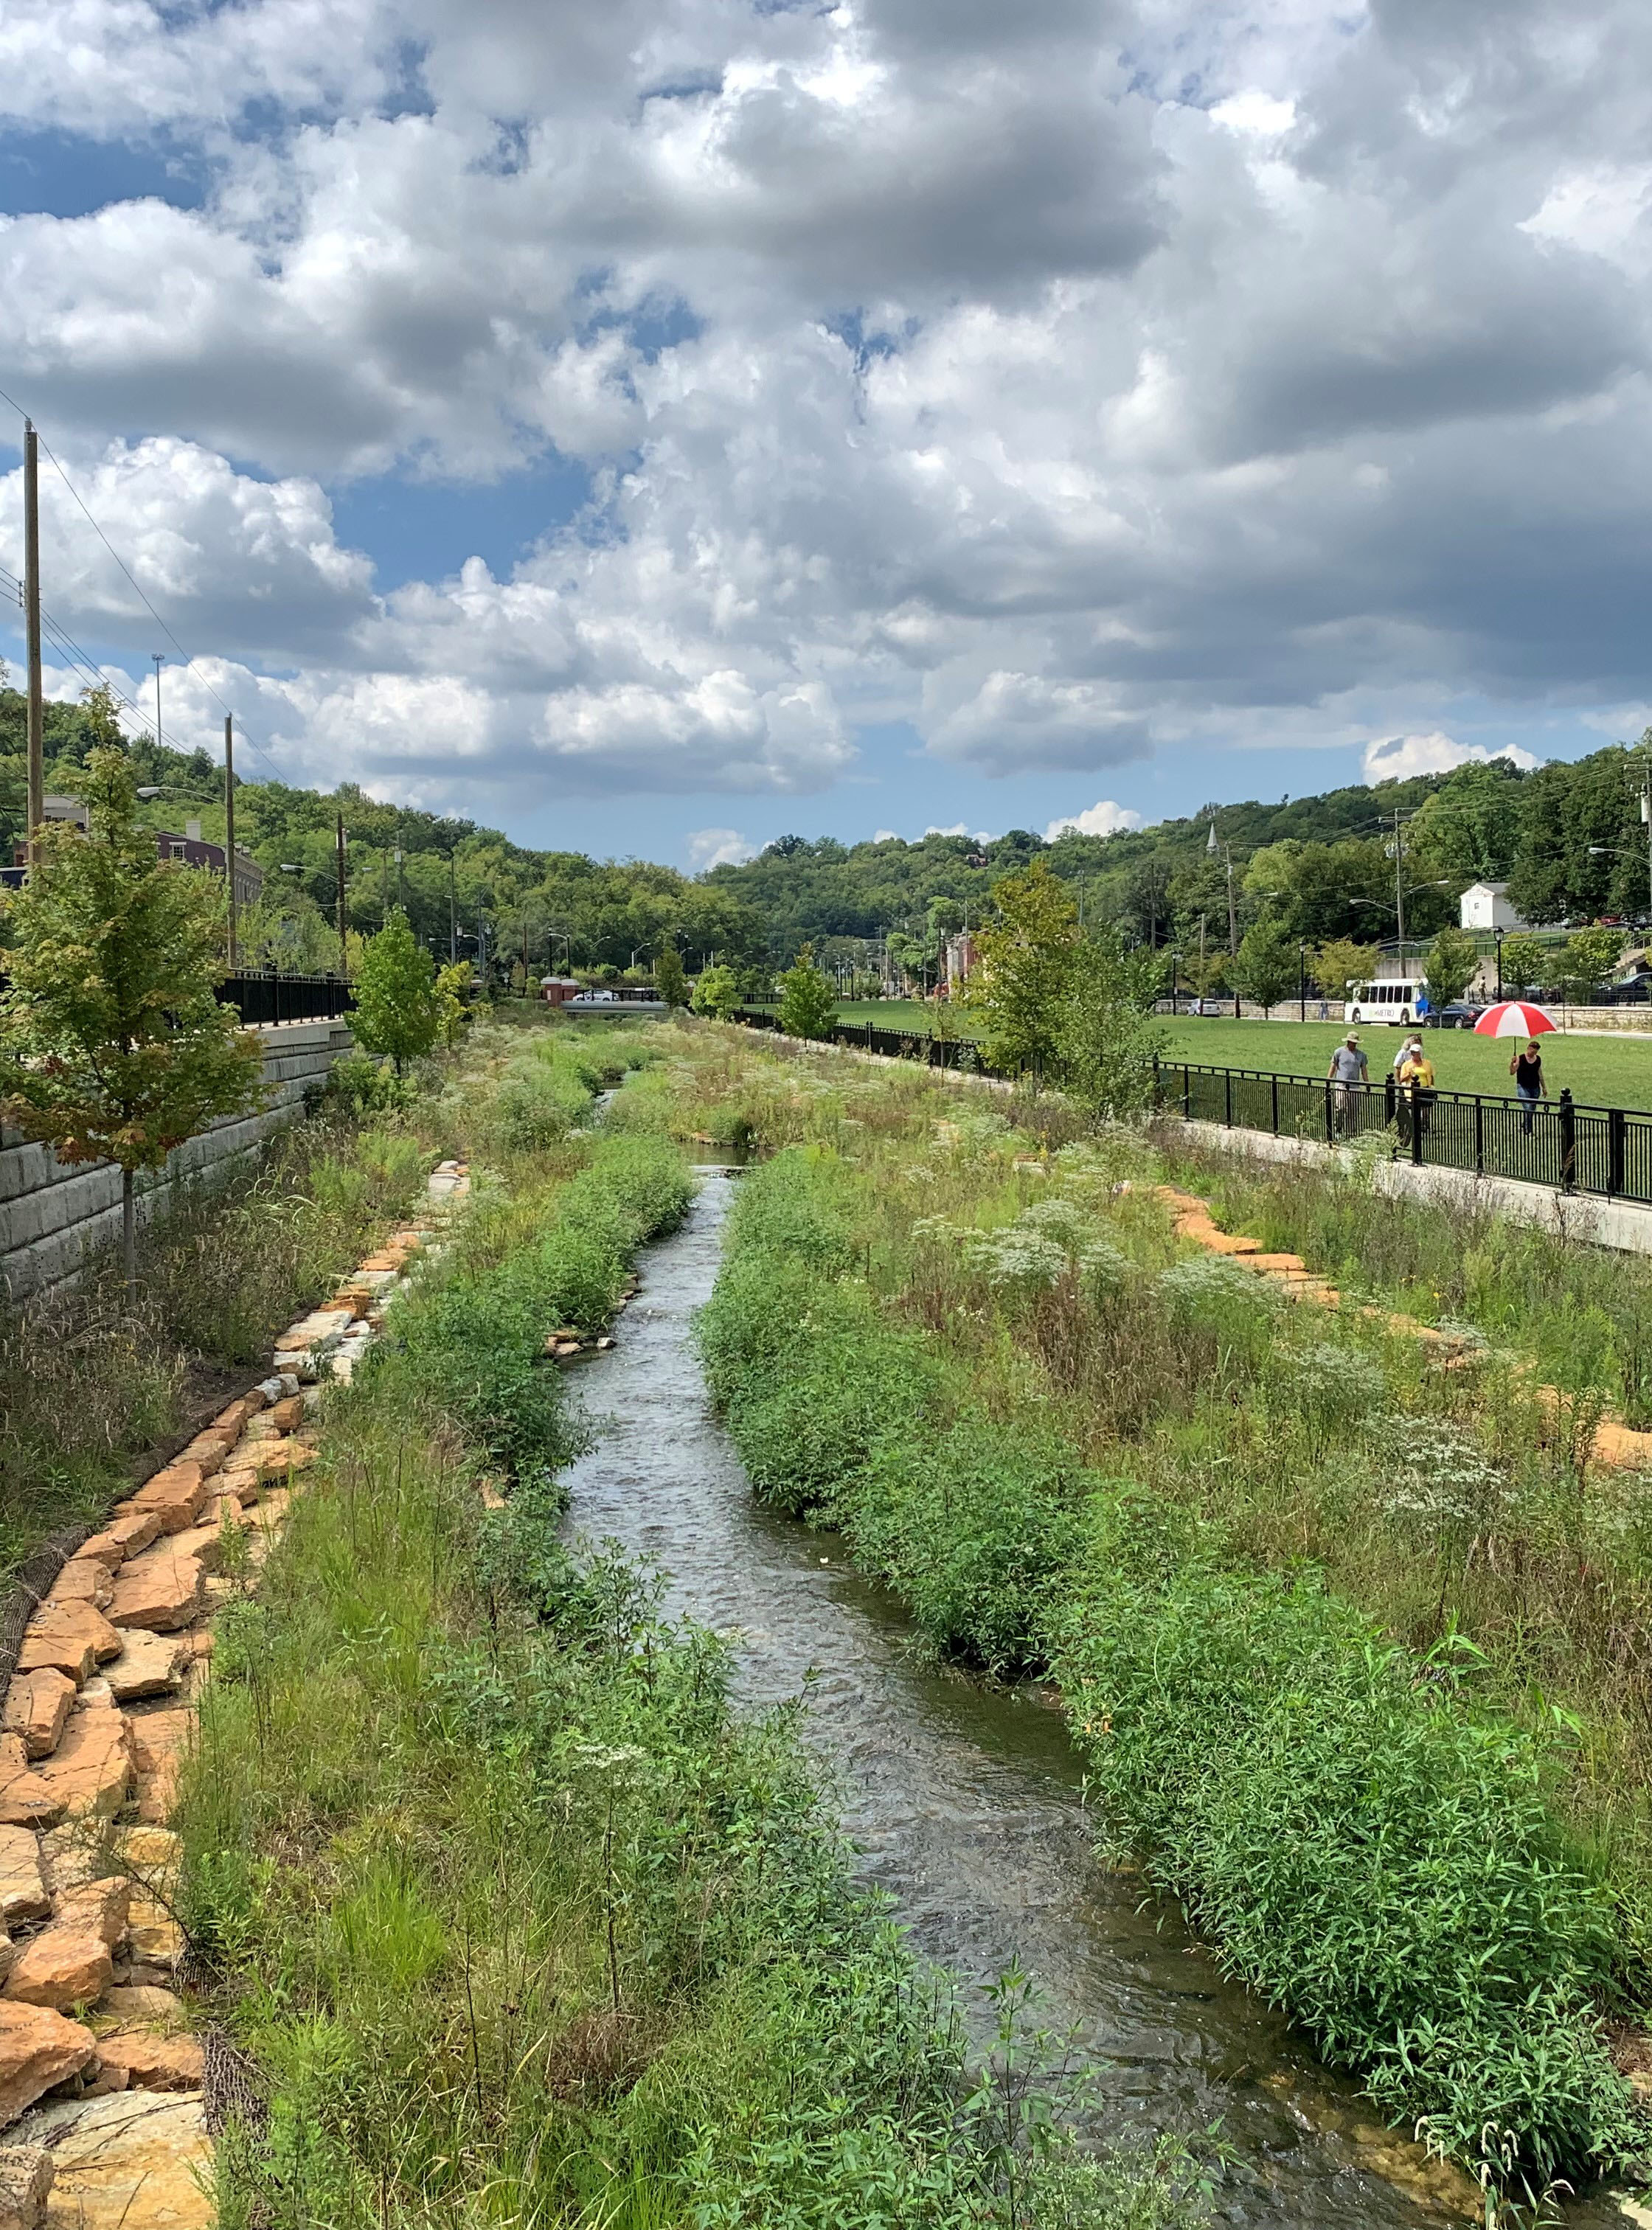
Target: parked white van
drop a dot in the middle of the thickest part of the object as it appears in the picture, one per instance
(1396, 999)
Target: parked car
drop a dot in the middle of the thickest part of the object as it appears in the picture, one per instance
(1208, 1007)
(1457, 1014)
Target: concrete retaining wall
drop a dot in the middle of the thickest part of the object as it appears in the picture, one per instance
(51, 1218)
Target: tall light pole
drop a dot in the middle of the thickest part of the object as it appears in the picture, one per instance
(229, 813)
(344, 916)
(159, 659)
(31, 625)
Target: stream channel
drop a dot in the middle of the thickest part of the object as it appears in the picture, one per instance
(966, 1801)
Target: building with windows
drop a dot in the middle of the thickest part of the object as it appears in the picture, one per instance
(188, 848)
(1485, 905)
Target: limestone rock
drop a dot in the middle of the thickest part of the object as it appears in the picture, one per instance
(152, 2062)
(150, 1664)
(158, 1741)
(130, 2006)
(70, 1637)
(83, 1579)
(136, 2161)
(25, 2179)
(287, 1412)
(22, 1887)
(37, 1708)
(122, 1537)
(25, 1800)
(175, 1495)
(232, 1420)
(157, 1940)
(60, 1968)
(92, 1770)
(160, 1590)
(99, 1907)
(38, 2049)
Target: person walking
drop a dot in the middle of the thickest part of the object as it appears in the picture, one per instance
(1350, 1071)
(1527, 1069)
(1410, 1048)
(1416, 1093)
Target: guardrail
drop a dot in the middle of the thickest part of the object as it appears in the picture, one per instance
(1605, 1150)
(894, 1045)
(260, 998)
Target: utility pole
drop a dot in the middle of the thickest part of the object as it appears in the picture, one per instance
(1399, 886)
(159, 659)
(229, 820)
(31, 624)
(1233, 918)
(453, 908)
(344, 916)
(1646, 815)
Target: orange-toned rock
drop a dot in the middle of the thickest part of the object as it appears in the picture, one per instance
(122, 1538)
(155, 1937)
(38, 2050)
(22, 1887)
(209, 1449)
(92, 1770)
(152, 2062)
(99, 1907)
(175, 1495)
(287, 1413)
(140, 2161)
(158, 1741)
(37, 1708)
(160, 1589)
(204, 1542)
(25, 1800)
(71, 1638)
(233, 1419)
(60, 1968)
(83, 1579)
(150, 1664)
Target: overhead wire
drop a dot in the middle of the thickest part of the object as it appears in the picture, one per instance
(186, 658)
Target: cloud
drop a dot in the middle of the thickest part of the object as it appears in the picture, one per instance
(959, 829)
(1071, 382)
(717, 847)
(1401, 756)
(1102, 819)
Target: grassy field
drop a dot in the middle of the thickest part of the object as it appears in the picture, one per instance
(1600, 1072)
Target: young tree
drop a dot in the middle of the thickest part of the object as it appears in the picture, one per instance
(1590, 957)
(808, 1005)
(1024, 970)
(1339, 963)
(669, 979)
(1528, 962)
(397, 1011)
(716, 993)
(1450, 965)
(1106, 1041)
(453, 1014)
(1267, 963)
(113, 1045)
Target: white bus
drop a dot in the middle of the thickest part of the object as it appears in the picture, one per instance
(1395, 999)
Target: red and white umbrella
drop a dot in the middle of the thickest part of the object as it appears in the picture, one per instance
(1514, 1018)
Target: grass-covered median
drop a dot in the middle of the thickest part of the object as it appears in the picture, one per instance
(1065, 1447)
(516, 1920)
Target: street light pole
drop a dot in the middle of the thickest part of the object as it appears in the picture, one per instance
(344, 915)
(1301, 983)
(228, 818)
(159, 659)
(36, 714)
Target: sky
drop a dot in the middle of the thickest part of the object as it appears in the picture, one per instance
(659, 427)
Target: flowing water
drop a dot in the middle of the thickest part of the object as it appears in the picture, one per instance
(965, 1801)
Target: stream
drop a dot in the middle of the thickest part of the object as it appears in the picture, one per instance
(966, 1801)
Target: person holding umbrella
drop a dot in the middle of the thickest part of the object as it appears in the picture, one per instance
(1527, 1069)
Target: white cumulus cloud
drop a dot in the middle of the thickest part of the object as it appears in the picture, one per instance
(1102, 819)
(1400, 756)
(717, 847)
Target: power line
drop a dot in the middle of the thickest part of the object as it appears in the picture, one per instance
(187, 658)
(80, 661)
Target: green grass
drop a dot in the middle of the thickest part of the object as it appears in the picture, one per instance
(1598, 1072)
(1346, 1639)
(921, 1014)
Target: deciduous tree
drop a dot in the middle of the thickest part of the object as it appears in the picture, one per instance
(808, 1003)
(669, 979)
(1024, 972)
(1266, 964)
(716, 993)
(1107, 1039)
(397, 1011)
(1450, 965)
(112, 1044)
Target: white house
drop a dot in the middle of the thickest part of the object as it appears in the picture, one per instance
(1486, 906)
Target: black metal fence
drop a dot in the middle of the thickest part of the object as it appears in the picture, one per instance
(260, 998)
(1594, 1149)
(895, 1045)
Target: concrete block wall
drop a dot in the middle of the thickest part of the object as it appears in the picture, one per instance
(51, 1218)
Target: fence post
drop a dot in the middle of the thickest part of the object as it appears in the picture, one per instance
(1389, 1111)
(1227, 1097)
(1275, 1097)
(1617, 1126)
(1568, 1143)
(1480, 1136)
(1187, 1092)
(1416, 1123)
(1329, 1123)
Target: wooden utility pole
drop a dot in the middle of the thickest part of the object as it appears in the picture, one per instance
(344, 916)
(31, 625)
(229, 826)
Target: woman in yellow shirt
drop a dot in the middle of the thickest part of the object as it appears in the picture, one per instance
(1417, 1083)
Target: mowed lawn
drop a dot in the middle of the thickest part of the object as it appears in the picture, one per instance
(1598, 1072)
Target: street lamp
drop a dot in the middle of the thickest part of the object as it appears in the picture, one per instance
(1301, 983)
